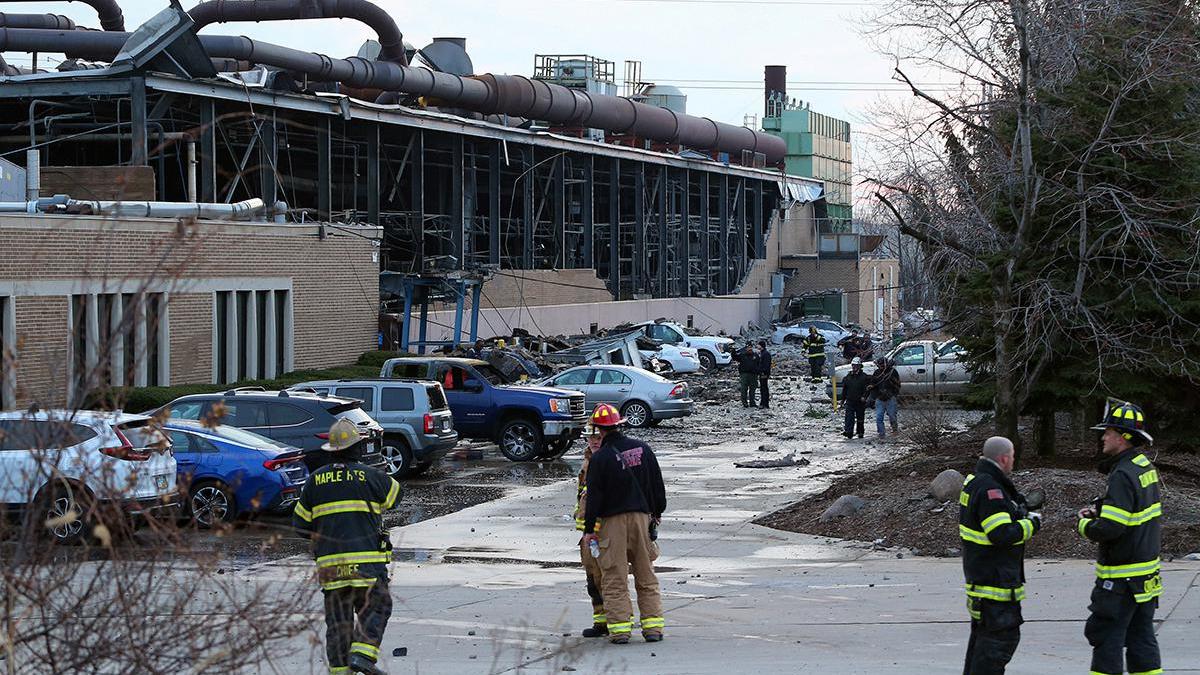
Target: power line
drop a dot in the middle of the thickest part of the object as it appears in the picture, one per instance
(722, 297)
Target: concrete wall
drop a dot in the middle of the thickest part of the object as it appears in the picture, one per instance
(818, 274)
(333, 285)
(882, 275)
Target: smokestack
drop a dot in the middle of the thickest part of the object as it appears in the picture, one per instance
(775, 88)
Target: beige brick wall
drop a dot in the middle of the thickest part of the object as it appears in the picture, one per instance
(334, 281)
(42, 364)
(814, 274)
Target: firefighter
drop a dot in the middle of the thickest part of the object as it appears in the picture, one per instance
(814, 347)
(1127, 523)
(994, 526)
(591, 565)
(625, 487)
(341, 510)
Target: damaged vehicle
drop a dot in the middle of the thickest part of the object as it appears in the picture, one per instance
(644, 399)
(925, 367)
(711, 351)
(526, 422)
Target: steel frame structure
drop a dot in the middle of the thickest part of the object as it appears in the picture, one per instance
(450, 193)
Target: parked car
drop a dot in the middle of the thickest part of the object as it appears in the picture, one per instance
(229, 472)
(527, 422)
(712, 351)
(680, 359)
(798, 330)
(418, 427)
(96, 465)
(644, 399)
(298, 419)
(925, 367)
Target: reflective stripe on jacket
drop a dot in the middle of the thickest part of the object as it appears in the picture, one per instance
(1129, 525)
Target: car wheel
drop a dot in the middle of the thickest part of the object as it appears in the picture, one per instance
(556, 449)
(637, 414)
(211, 504)
(59, 514)
(397, 457)
(520, 440)
(707, 360)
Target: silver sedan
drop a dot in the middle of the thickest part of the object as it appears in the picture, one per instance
(642, 397)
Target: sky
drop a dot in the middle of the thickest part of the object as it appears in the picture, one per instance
(714, 50)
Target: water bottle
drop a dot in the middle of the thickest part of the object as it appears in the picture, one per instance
(594, 547)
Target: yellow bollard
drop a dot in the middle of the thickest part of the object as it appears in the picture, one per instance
(833, 378)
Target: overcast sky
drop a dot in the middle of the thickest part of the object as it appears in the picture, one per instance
(698, 45)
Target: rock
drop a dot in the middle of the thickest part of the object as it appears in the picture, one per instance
(1192, 556)
(846, 505)
(768, 447)
(568, 669)
(947, 485)
(400, 651)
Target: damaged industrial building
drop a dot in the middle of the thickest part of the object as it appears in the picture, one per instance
(179, 206)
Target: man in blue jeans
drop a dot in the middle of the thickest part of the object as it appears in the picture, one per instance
(885, 389)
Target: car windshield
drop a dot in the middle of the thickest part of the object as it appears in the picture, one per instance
(491, 374)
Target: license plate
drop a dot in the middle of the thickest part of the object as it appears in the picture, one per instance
(161, 482)
(446, 424)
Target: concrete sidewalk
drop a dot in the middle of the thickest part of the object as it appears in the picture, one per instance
(497, 588)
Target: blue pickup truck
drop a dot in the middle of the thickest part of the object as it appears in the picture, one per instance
(526, 422)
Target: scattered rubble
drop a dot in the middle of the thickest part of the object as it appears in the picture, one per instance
(787, 460)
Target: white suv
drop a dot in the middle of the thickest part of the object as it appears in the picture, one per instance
(69, 467)
(712, 351)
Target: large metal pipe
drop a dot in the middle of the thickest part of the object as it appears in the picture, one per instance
(488, 94)
(47, 21)
(391, 40)
(109, 12)
(242, 210)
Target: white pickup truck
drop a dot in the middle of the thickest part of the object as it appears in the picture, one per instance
(925, 367)
(713, 351)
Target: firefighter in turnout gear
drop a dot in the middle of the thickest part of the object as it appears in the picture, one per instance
(814, 347)
(1127, 523)
(341, 510)
(591, 565)
(994, 525)
(625, 488)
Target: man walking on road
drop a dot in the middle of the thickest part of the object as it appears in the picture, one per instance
(625, 488)
(341, 510)
(885, 390)
(1127, 523)
(854, 391)
(994, 526)
(747, 362)
(591, 566)
(764, 374)
(814, 348)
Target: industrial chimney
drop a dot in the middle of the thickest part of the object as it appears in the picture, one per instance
(775, 90)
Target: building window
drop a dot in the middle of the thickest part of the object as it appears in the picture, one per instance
(252, 334)
(8, 352)
(118, 340)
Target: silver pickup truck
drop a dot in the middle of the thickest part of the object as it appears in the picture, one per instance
(925, 367)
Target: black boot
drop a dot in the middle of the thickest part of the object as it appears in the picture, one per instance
(361, 664)
(597, 630)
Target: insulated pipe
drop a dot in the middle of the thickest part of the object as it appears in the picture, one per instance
(242, 210)
(47, 21)
(488, 94)
(391, 40)
(109, 12)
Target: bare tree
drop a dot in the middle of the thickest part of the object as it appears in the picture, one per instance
(1027, 186)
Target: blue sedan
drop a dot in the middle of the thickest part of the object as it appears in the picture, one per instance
(229, 471)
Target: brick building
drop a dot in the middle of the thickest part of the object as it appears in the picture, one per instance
(88, 302)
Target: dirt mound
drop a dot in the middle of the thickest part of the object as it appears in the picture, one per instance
(900, 513)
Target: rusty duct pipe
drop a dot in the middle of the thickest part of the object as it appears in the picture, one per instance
(109, 12)
(391, 40)
(511, 95)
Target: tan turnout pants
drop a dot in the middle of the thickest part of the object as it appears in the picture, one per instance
(625, 546)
